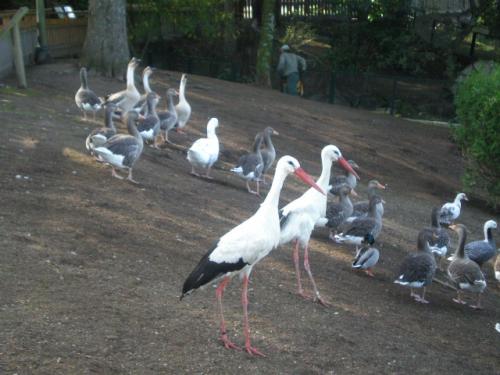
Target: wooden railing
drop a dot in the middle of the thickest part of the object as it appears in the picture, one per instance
(13, 26)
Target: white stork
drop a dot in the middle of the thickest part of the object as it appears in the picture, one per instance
(299, 217)
(242, 247)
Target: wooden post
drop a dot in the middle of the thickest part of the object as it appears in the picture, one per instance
(18, 56)
(42, 53)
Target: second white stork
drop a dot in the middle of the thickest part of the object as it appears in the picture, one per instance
(299, 217)
(241, 248)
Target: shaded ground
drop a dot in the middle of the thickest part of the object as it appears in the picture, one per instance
(92, 267)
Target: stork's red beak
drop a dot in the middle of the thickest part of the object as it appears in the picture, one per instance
(300, 173)
(344, 164)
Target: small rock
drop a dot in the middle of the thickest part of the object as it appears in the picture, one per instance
(18, 176)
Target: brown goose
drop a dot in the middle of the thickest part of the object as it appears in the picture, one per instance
(250, 165)
(361, 208)
(348, 178)
(338, 212)
(463, 272)
(438, 237)
(418, 269)
(268, 152)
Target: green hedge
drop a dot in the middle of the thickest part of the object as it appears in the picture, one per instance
(478, 108)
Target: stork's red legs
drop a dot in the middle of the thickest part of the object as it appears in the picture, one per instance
(228, 344)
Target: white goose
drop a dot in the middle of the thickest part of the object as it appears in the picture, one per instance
(451, 211)
(128, 98)
(182, 108)
(239, 250)
(299, 217)
(205, 151)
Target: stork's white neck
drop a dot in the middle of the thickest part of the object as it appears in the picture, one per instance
(145, 83)
(130, 77)
(273, 196)
(326, 171)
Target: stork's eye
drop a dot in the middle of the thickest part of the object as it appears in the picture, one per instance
(291, 163)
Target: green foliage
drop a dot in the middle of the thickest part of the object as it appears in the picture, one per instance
(478, 107)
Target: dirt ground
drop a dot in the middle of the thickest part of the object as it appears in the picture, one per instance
(92, 267)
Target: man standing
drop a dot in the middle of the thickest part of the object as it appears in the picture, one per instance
(288, 67)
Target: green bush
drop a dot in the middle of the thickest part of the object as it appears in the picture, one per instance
(478, 108)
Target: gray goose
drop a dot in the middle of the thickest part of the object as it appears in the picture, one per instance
(463, 272)
(355, 231)
(482, 251)
(367, 256)
(268, 151)
(250, 165)
(168, 118)
(451, 211)
(338, 212)
(418, 269)
(99, 136)
(86, 100)
(123, 150)
(360, 209)
(141, 104)
(149, 127)
(348, 178)
(438, 237)
(126, 99)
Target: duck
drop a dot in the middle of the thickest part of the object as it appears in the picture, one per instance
(301, 216)
(438, 237)
(123, 150)
(149, 127)
(367, 256)
(338, 212)
(347, 178)
(418, 269)
(183, 108)
(86, 100)
(126, 99)
(99, 136)
(465, 274)
(168, 118)
(355, 231)
(483, 250)
(240, 249)
(451, 211)
(268, 151)
(251, 165)
(141, 104)
(205, 151)
(360, 208)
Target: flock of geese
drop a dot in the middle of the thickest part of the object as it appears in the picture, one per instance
(240, 249)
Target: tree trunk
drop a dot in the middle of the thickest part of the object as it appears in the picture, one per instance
(106, 44)
(265, 50)
(229, 27)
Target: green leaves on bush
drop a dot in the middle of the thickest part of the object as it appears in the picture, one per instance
(478, 108)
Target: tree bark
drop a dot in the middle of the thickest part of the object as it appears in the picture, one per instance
(106, 44)
(265, 50)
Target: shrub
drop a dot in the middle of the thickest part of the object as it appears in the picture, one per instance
(478, 108)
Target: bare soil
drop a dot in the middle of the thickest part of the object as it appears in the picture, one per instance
(92, 267)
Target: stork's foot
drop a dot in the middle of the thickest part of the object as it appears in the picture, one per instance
(253, 351)
(228, 344)
(321, 301)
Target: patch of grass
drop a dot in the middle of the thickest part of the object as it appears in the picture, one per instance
(8, 90)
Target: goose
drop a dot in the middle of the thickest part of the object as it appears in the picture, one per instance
(418, 269)
(299, 217)
(149, 127)
(451, 211)
(126, 99)
(268, 151)
(360, 209)
(348, 178)
(123, 150)
(497, 267)
(250, 165)
(355, 231)
(338, 212)
(99, 136)
(205, 151)
(240, 249)
(86, 100)
(438, 237)
(183, 108)
(168, 118)
(482, 251)
(463, 272)
(141, 104)
(367, 256)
